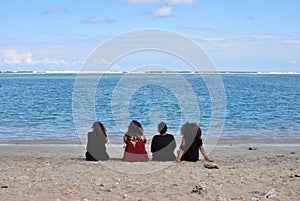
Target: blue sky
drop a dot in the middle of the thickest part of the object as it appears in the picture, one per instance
(248, 35)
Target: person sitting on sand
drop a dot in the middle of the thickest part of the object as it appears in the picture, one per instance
(96, 149)
(163, 145)
(135, 140)
(191, 143)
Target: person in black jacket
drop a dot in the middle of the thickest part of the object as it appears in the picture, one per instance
(163, 145)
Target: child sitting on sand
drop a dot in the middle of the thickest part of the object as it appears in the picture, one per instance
(135, 140)
(96, 149)
(191, 143)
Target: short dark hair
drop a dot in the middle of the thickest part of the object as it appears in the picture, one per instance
(162, 127)
(99, 128)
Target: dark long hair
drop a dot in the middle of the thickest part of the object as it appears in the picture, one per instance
(99, 128)
(135, 129)
(190, 131)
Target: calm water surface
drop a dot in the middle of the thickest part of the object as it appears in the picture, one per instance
(39, 106)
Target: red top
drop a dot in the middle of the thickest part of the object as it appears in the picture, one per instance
(135, 151)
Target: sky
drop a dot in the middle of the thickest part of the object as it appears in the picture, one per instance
(248, 35)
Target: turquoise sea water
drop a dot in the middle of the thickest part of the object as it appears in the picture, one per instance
(39, 106)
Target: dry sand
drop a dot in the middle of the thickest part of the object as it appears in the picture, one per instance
(35, 172)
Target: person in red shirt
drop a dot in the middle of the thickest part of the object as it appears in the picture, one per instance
(135, 140)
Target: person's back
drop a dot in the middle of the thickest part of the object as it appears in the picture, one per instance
(96, 146)
(162, 148)
(191, 143)
(135, 150)
(191, 149)
(96, 149)
(163, 145)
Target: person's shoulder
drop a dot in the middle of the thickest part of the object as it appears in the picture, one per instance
(170, 135)
(156, 136)
(199, 139)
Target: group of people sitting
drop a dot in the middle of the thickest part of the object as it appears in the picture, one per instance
(163, 144)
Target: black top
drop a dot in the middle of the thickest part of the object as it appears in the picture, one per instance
(162, 148)
(191, 149)
(96, 147)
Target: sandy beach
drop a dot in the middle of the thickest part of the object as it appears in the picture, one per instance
(60, 172)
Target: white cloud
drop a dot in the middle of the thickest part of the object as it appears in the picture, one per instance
(256, 51)
(104, 61)
(13, 57)
(55, 10)
(100, 20)
(293, 41)
(180, 1)
(141, 1)
(291, 61)
(164, 11)
(173, 2)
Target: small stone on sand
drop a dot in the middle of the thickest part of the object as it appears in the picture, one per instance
(199, 189)
(271, 194)
(211, 166)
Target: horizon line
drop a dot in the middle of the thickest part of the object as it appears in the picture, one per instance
(145, 72)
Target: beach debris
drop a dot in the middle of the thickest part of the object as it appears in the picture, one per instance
(233, 168)
(73, 191)
(294, 175)
(125, 196)
(293, 152)
(211, 166)
(22, 178)
(221, 199)
(280, 155)
(109, 190)
(238, 198)
(271, 194)
(252, 148)
(4, 186)
(199, 188)
(255, 199)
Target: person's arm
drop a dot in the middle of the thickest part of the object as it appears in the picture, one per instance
(106, 140)
(173, 145)
(125, 138)
(143, 137)
(180, 152)
(153, 143)
(204, 154)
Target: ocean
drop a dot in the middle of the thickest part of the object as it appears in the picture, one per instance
(45, 106)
